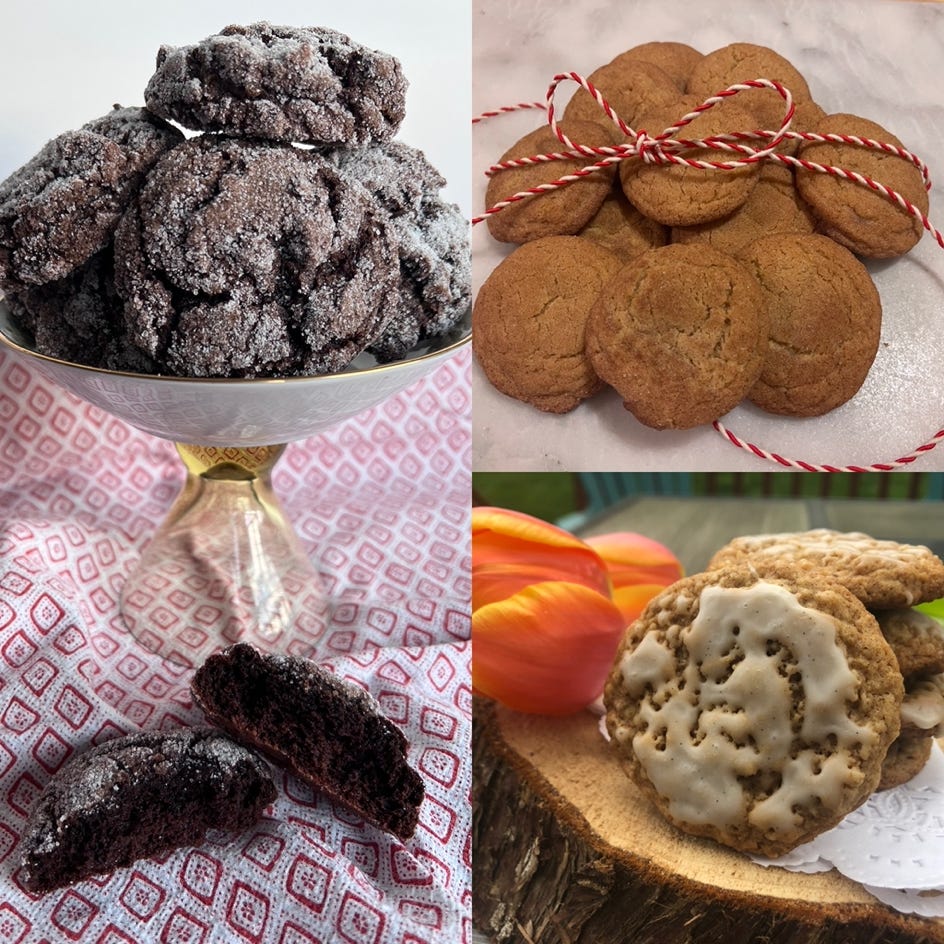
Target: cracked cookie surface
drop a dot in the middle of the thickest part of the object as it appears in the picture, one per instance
(241, 258)
(680, 333)
(528, 323)
(63, 205)
(314, 86)
(825, 323)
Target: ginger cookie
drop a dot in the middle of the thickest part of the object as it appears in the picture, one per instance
(629, 85)
(676, 60)
(681, 334)
(774, 206)
(756, 711)
(743, 62)
(882, 574)
(916, 639)
(859, 218)
(825, 323)
(683, 196)
(905, 759)
(281, 83)
(621, 228)
(529, 318)
(562, 212)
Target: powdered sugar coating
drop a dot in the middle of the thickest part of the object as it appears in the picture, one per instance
(62, 206)
(241, 258)
(281, 83)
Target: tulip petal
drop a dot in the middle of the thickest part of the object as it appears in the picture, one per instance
(634, 558)
(631, 601)
(511, 550)
(547, 649)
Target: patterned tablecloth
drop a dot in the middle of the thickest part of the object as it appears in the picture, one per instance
(381, 504)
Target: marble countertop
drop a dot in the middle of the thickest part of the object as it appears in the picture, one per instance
(877, 58)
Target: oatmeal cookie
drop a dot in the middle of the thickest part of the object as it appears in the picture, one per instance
(859, 218)
(281, 83)
(905, 759)
(62, 206)
(242, 258)
(882, 574)
(754, 710)
(528, 322)
(681, 334)
(916, 639)
(825, 323)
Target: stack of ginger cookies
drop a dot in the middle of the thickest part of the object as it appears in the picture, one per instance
(688, 289)
(761, 701)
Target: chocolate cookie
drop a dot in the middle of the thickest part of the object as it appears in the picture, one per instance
(754, 710)
(905, 759)
(825, 323)
(630, 85)
(137, 796)
(773, 206)
(281, 83)
(241, 258)
(433, 237)
(529, 318)
(856, 216)
(620, 228)
(80, 318)
(62, 206)
(681, 333)
(562, 212)
(743, 62)
(916, 639)
(683, 196)
(882, 574)
(329, 732)
(676, 60)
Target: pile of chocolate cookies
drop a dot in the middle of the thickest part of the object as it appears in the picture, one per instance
(687, 289)
(291, 234)
(761, 701)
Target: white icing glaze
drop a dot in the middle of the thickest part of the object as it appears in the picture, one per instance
(751, 653)
(923, 706)
(823, 541)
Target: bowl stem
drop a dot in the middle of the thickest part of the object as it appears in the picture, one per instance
(225, 566)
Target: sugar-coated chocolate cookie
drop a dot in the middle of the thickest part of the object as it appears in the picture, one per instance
(630, 85)
(529, 318)
(743, 62)
(561, 212)
(882, 574)
(683, 196)
(854, 215)
(676, 60)
(331, 733)
(241, 258)
(905, 759)
(619, 227)
(773, 206)
(281, 83)
(136, 796)
(754, 710)
(80, 318)
(916, 639)
(825, 323)
(434, 288)
(681, 334)
(62, 206)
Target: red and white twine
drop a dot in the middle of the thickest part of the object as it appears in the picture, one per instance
(665, 148)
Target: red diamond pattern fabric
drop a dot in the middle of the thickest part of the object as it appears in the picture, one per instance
(381, 504)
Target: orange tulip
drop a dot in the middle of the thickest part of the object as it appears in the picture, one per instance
(546, 620)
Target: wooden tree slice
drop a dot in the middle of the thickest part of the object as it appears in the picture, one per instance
(567, 851)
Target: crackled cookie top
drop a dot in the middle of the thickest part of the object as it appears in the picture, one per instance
(882, 574)
(62, 206)
(240, 258)
(754, 711)
(281, 83)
